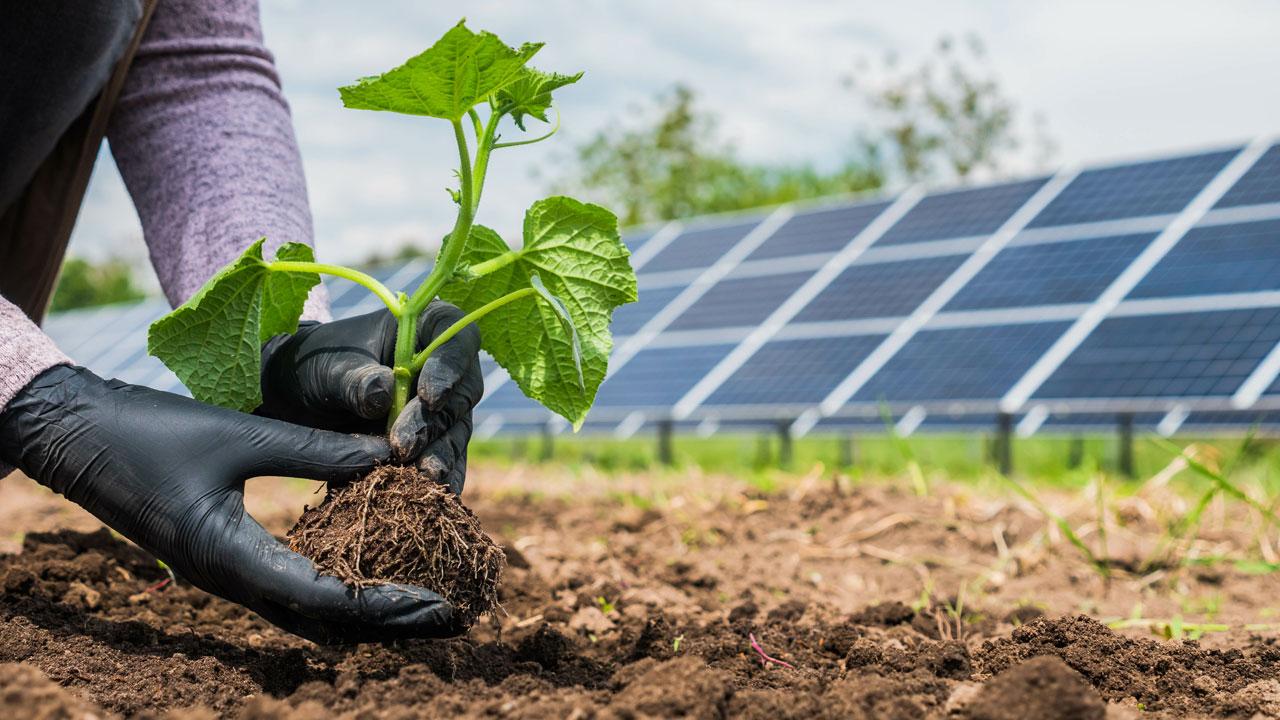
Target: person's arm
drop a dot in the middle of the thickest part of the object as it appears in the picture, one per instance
(203, 138)
(25, 352)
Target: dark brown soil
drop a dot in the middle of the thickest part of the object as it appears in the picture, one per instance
(620, 611)
(1043, 687)
(398, 525)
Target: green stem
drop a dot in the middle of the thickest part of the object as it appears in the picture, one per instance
(447, 260)
(496, 263)
(484, 146)
(446, 263)
(538, 139)
(385, 295)
(406, 340)
(421, 358)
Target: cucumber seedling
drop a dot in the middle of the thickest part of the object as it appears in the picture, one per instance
(543, 311)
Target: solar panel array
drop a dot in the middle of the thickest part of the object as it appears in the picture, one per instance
(1147, 288)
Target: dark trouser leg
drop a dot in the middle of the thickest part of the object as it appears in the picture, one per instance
(57, 55)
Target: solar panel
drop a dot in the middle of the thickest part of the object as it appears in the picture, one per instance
(699, 248)
(961, 363)
(1192, 354)
(509, 397)
(1157, 187)
(1260, 185)
(631, 317)
(818, 231)
(739, 301)
(633, 241)
(1198, 322)
(791, 372)
(961, 213)
(1244, 257)
(1045, 274)
(888, 289)
(657, 377)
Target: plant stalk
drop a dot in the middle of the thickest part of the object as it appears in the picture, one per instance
(393, 304)
(481, 269)
(446, 264)
(447, 260)
(406, 340)
(421, 358)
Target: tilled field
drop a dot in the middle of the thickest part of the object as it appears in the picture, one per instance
(663, 602)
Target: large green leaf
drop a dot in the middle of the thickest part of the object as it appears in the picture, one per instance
(213, 341)
(457, 73)
(573, 248)
(530, 94)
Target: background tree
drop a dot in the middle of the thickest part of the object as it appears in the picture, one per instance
(85, 284)
(947, 118)
(671, 163)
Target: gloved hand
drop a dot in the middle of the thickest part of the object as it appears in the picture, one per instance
(168, 473)
(337, 376)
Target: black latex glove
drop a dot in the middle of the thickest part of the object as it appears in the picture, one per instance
(337, 376)
(168, 473)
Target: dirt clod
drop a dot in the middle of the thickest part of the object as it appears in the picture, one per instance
(25, 692)
(1042, 687)
(398, 525)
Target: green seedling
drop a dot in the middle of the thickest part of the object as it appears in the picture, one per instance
(543, 310)
(675, 644)
(919, 483)
(605, 606)
(1099, 564)
(1179, 538)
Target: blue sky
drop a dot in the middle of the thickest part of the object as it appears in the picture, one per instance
(1114, 79)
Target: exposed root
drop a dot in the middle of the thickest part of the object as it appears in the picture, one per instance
(398, 525)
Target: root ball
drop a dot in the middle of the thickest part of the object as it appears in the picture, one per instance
(398, 525)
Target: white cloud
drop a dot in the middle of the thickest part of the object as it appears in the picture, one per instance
(1114, 79)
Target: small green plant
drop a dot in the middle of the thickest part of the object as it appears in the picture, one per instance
(543, 310)
(605, 606)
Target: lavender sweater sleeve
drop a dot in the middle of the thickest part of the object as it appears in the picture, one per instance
(203, 138)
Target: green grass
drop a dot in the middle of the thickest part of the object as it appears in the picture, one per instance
(963, 457)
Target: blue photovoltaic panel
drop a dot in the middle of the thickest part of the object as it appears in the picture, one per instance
(1158, 187)
(975, 363)
(629, 318)
(1261, 184)
(633, 241)
(737, 302)
(699, 248)
(506, 398)
(1063, 272)
(961, 213)
(891, 289)
(1199, 354)
(788, 372)
(818, 231)
(658, 377)
(1218, 259)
